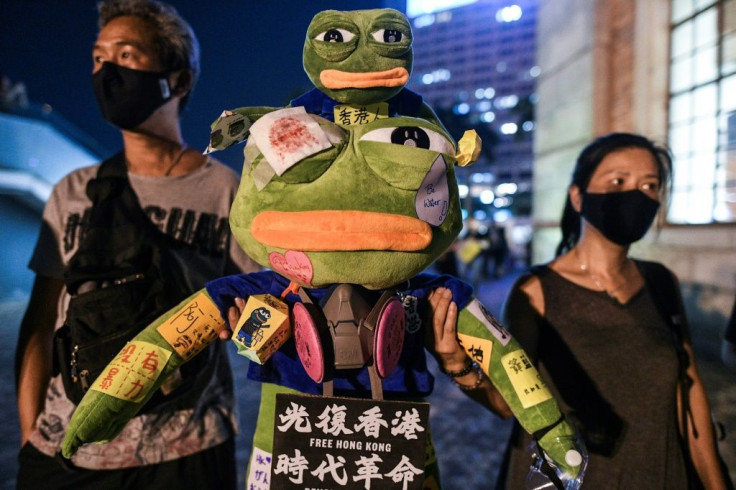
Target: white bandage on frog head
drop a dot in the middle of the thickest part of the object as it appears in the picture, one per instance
(288, 136)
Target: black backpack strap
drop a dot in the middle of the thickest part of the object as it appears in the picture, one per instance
(116, 224)
(114, 166)
(664, 291)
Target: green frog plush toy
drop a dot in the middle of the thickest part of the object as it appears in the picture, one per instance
(342, 211)
(359, 62)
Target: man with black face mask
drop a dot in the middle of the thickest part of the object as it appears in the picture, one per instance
(145, 64)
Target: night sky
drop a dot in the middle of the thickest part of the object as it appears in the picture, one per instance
(251, 53)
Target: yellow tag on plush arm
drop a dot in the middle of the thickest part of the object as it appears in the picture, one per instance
(468, 148)
(132, 373)
(193, 327)
(525, 379)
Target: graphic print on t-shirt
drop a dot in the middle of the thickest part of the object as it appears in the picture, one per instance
(206, 233)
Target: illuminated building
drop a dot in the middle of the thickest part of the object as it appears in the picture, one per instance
(474, 61)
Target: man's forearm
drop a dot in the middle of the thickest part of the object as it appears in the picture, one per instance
(34, 372)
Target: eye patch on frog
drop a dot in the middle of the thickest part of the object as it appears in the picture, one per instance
(402, 156)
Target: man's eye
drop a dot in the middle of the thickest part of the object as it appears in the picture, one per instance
(388, 36)
(413, 136)
(335, 36)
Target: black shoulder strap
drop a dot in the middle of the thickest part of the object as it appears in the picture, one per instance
(114, 167)
(662, 286)
(118, 232)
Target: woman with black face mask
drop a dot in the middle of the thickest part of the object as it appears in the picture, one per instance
(608, 333)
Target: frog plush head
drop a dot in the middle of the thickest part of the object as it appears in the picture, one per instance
(372, 204)
(359, 57)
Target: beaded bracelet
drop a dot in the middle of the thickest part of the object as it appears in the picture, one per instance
(478, 372)
(459, 374)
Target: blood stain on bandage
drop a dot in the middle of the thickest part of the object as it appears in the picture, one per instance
(289, 134)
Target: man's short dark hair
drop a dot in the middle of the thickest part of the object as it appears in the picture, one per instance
(175, 42)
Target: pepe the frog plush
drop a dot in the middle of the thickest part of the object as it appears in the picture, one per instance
(359, 62)
(346, 217)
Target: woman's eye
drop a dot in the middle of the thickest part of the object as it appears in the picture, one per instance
(388, 36)
(414, 136)
(335, 36)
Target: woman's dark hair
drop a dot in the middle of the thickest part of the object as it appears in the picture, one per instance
(588, 162)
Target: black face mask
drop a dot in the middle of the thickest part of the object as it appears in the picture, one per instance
(128, 97)
(622, 217)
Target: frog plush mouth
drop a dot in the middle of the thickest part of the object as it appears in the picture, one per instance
(329, 231)
(337, 79)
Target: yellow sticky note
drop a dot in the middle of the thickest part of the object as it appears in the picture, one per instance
(132, 373)
(525, 379)
(478, 349)
(349, 115)
(193, 327)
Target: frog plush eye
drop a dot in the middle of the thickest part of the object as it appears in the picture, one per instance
(335, 36)
(388, 36)
(413, 136)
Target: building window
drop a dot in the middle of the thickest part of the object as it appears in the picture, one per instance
(702, 111)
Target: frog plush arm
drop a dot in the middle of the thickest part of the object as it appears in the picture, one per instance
(140, 368)
(233, 126)
(506, 364)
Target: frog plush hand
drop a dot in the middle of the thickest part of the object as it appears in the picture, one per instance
(370, 205)
(359, 62)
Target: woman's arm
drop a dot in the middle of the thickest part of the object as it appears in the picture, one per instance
(452, 358)
(703, 451)
(699, 423)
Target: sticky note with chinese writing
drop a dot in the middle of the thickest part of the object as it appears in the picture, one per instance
(478, 349)
(259, 475)
(193, 327)
(132, 373)
(348, 115)
(525, 379)
(263, 327)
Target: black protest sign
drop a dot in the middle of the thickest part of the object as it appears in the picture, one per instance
(331, 442)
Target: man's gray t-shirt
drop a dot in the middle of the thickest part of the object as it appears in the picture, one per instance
(193, 209)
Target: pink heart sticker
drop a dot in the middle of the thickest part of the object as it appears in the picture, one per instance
(293, 265)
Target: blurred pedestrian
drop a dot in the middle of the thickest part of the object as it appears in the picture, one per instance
(609, 334)
(473, 250)
(498, 252)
